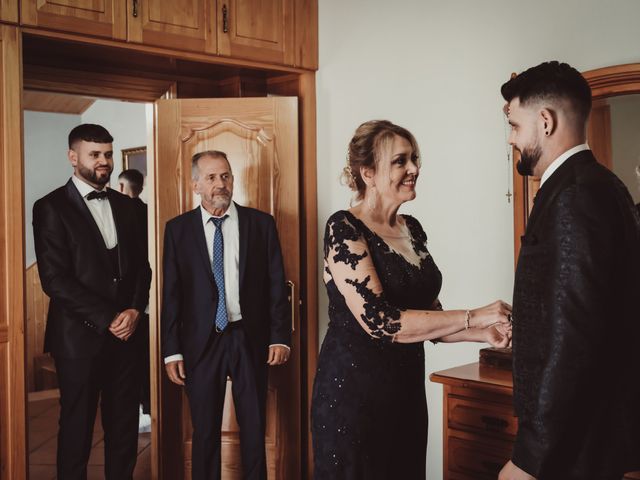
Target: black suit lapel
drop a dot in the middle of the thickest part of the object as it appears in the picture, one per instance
(243, 225)
(553, 186)
(201, 242)
(121, 231)
(80, 206)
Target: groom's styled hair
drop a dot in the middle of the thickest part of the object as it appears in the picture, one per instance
(555, 85)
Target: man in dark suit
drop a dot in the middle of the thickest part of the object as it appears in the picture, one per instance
(131, 183)
(224, 312)
(93, 267)
(576, 320)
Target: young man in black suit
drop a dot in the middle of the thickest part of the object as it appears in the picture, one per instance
(576, 322)
(224, 312)
(92, 265)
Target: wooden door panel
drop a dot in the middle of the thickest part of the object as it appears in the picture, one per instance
(260, 138)
(257, 29)
(12, 359)
(9, 11)
(102, 18)
(179, 24)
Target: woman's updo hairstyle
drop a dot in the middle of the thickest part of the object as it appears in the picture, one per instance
(365, 148)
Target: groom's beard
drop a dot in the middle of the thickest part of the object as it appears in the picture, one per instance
(529, 158)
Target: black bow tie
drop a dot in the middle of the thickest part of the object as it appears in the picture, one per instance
(99, 195)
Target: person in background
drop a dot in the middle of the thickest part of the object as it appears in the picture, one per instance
(131, 183)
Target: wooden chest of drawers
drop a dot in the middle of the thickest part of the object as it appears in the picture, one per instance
(479, 426)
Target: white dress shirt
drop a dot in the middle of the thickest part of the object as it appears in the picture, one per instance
(231, 238)
(560, 160)
(231, 257)
(100, 211)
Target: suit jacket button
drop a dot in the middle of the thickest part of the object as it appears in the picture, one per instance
(115, 280)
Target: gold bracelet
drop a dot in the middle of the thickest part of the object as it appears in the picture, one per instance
(467, 318)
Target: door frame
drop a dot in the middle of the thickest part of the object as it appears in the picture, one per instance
(286, 81)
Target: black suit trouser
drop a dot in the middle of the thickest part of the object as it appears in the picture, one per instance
(113, 376)
(227, 354)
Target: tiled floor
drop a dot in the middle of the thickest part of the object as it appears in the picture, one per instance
(43, 429)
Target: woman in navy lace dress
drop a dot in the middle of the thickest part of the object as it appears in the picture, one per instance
(369, 410)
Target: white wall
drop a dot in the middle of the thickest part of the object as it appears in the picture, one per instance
(45, 162)
(625, 140)
(436, 67)
(127, 124)
(45, 149)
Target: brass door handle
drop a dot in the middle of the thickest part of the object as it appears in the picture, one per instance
(292, 302)
(225, 19)
(135, 8)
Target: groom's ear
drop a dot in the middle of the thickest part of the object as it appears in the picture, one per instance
(548, 121)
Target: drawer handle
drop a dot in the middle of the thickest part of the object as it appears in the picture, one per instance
(494, 423)
(135, 8)
(292, 300)
(491, 467)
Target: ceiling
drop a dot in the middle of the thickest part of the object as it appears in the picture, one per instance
(55, 102)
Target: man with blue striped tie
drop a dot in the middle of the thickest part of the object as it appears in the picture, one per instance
(224, 313)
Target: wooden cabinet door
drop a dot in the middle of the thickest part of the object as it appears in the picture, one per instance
(260, 138)
(101, 18)
(9, 11)
(257, 30)
(177, 24)
(12, 362)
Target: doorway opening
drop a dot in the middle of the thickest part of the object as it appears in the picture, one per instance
(115, 73)
(47, 119)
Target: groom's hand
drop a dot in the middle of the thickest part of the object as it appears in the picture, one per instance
(512, 472)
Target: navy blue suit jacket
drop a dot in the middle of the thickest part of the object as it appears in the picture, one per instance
(190, 296)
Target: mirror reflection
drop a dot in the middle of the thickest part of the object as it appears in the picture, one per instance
(48, 119)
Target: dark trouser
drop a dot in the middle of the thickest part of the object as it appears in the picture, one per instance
(112, 375)
(145, 364)
(227, 354)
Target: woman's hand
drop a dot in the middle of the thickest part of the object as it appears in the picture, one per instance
(498, 336)
(497, 312)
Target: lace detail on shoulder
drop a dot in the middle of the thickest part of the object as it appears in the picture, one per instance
(339, 230)
(349, 265)
(418, 236)
(378, 315)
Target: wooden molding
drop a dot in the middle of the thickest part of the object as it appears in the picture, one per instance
(615, 80)
(9, 11)
(12, 316)
(306, 41)
(165, 52)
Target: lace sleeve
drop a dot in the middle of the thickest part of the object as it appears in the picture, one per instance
(348, 263)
